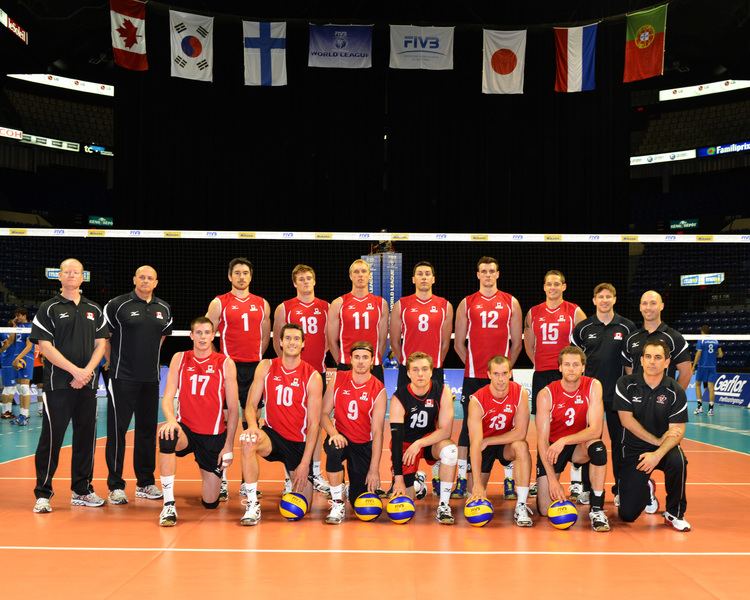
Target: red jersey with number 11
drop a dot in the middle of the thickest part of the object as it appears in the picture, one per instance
(359, 320)
(570, 410)
(353, 404)
(286, 399)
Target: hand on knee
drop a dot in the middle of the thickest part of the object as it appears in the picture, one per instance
(449, 455)
(598, 454)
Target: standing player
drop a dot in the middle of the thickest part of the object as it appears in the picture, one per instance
(358, 401)
(22, 351)
(358, 316)
(311, 314)
(428, 406)
(707, 350)
(202, 380)
(488, 322)
(8, 372)
(292, 389)
(498, 423)
(569, 428)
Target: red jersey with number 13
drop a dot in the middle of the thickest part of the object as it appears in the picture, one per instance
(570, 410)
(286, 399)
(240, 326)
(488, 330)
(422, 326)
(313, 318)
(498, 414)
(353, 404)
(200, 393)
(553, 328)
(359, 320)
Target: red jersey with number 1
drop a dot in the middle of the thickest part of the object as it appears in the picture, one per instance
(240, 326)
(200, 393)
(498, 414)
(286, 399)
(422, 326)
(570, 410)
(488, 330)
(553, 330)
(359, 320)
(313, 318)
(353, 404)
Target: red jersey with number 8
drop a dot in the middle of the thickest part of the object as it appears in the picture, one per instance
(359, 320)
(498, 414)
(353, 404)
(313, 318)
(488, 330)
(553, 328)
(200, 393)
(422, 327)
(240, 326)
(570, 410)
(286, 399)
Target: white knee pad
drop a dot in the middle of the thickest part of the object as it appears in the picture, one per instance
(9, 390)
(23, 389)
(449, 455)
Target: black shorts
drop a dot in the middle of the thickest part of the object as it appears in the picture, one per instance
(539, 381)
(38, 376)
(403, 378)
(358, 458)
(470, 386)
(492, 453)
(377, 370)
(205, 448)
(245, 374)
(563, 459)
(285, 451)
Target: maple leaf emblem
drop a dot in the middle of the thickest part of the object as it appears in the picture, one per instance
(128, 32)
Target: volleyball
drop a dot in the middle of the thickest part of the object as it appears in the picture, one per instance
(293, 506)
(368, 506)
(562, 514)
(400, 509)
(479, 512)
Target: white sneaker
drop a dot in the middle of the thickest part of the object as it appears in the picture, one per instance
(90, 499)
(42, 505)
(320, 484)
(444, 514)
(575, 490)
(522, 515)
(150, 492)
(168, 516)
(252, 514)
(224, 491)
(584, 498)
(420, 487)
(599, 520)
(117, 497)
(653, 506)
(337, 512)
(678, 524)
(698, 411)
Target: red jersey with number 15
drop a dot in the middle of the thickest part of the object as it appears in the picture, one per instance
(286, 399)
(200, 393)
(240, 326)
(422, 326)
(553, 328)
(498, 414)
(313, 318)
(488, 330)
(359, 320)
(570, 410)
(353, 404)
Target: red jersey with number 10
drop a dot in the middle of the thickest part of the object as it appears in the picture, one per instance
(240, 326)
(286, 399)
(570, 410)
(553, 328)
(313, 318)
(359, 320)
(353, 404)
(422, 327)
(488, 330)
(200, 393)
(498, 414)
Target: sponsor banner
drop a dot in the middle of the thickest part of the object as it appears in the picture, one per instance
(375, 263)
(77, 85)
(648, 159)
(38, 140)
(19, 31)
(684, 224)
(391, 277)
(54, 273)
(730, 388)
(701, 279)
(340, 46)
(716, 87)
(421, 47)
(724, 149)
(13, 134)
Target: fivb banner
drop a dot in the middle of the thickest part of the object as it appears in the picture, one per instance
(340, 46)
(421, 47)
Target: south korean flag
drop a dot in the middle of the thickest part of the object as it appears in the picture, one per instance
(192, 46)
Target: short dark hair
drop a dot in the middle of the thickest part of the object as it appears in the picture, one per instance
(554, 272)
(571, 350)
(422, 263)
(20, 311)
(657, 341)
(240, 260)
(295, 327)
(201, 321)
(498, 360)
(705, 329)
(487, 260)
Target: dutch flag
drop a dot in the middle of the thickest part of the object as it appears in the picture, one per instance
(576, 58)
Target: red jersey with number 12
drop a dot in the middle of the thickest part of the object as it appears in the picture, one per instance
(200, 393)
(498, 414)
(313, 318)
(359, 320)
(240, 326)
(570, 410)
(553, 328)
(286, 399)
(353, 404)
(422, 326)
(488, 330)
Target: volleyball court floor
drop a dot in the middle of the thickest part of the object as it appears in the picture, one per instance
(121, 552)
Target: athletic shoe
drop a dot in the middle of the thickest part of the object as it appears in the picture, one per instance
(653, 506)
(90, 499)
(224, 491)
(584, 498)
(252, 514)
(287, 486)
(168, 516)
(575, 490)
(460, 490)
(617, 500)
(6, 415)
(678, 524)
(522, 515)
(150, 492)
(20, 420)
(40, 412)
(337, 512)
(435, 486)
(420, 487)
(444, 514)
(698, 411)
(321, 485)
(117, 497)
(599, 521)
(509, 489)
(710, 412)
(42, 505)
(533, 490)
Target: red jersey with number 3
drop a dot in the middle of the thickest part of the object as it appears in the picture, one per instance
(359, 320)
(286, 399)
(422, 326)
(570, 410)
(553, 330)
(352, 406)
(240, 326)
(498, 414)
(488, 330)
(200, 393)
(313, 318)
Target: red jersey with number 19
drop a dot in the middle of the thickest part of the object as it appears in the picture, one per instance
(240, 326)
(553, 328)
(359, 320)
(422, 327)
(200, 393)
(488, 330)
(570, 410)
(353, 404)
(313, 318)
(286, 399)
(498, 414)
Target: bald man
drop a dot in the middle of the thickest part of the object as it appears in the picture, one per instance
(139, 321)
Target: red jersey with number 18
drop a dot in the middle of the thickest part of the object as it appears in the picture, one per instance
(498, 414)
(353, 404)
(313, 318)
(200, 393)
(286, 399)
(359, 320)
(422, 327)
(553, 328)
(488, 330)
(240, 326)
(570, 410)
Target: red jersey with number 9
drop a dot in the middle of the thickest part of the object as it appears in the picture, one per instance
(240, 326)
(313, 318)
(552, 328)
(359, 320)
(498, 414)
(353, 404)
(570, 410)
(422, 327)
(200, 393)
(488, 330)
(286, 399)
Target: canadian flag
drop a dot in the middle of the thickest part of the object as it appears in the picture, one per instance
(128, 18)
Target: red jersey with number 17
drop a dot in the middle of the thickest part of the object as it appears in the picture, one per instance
(313, 318)
(200, 393)
(240, 326)
(488, 330)
(359, 320)
(553, 328)
(422, 326)
(353, 404)
(498, 414)
(570, 410)
(286, 399)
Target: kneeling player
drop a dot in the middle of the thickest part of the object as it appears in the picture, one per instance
(357, 399)
(428, 406)
(292, 390)
(569, 422)
(498, 423)
(200, 378)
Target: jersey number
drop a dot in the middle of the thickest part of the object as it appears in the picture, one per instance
(361, 319)
(353, 412)
(570, 415)
(489, 319)
(550, 332)
(195, 381)
(419, 420)
(245, 322)
(309, 325)
(284, 395)
(498, 422)
(423, 322)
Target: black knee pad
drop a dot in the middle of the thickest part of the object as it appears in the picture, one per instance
(168, 446)
(598, 453)
(334, 458)
(210, 505)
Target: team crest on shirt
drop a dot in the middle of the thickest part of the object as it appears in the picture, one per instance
(578, 400)
(295, 383)
(661, 399)
(561, 319)
(253, 308)
(90, 316)
(499, 305)
(433, 309)
(618, 335)
(159, 315)
(316, 311)
(429, 403)
(364, 397)
(370, 306)
(508, 409)
(210, 369)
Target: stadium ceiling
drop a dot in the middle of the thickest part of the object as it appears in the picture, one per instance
(706, 39)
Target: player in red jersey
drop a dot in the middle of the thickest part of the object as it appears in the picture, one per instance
(488, 322)
(311, 314)
(357, 400)
(570, 418)
(498, 424)
(358, 316)
(203, 381)
(292, 389)
(422, 322)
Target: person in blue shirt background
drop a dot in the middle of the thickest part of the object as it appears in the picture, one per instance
(707, 351)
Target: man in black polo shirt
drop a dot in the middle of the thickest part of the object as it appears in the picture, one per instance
(139, 321)
(653, 410)
(71, 333)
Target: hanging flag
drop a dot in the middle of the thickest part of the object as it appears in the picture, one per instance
(265, 53)
(576, 53)
(644, 43)
(192, 46)
(504, 56)
(340, 46)
(421, 47)
(128, 19)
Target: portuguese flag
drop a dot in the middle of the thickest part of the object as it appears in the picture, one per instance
(644, 43)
